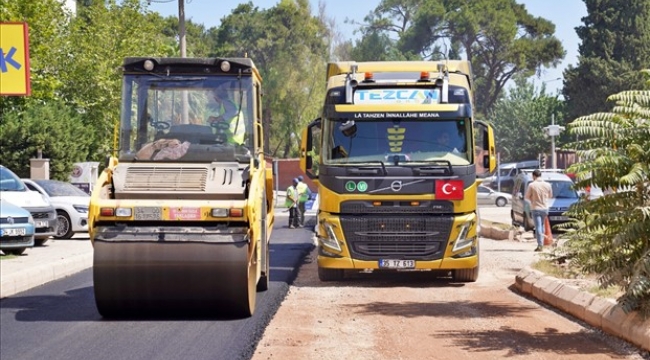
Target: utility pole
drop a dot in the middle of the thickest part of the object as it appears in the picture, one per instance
(185, 102)
(181, 27)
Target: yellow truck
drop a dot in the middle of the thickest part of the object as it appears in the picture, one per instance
(399, 151)
(180, 218)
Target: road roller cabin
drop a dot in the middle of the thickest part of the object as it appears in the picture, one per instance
(181, 217)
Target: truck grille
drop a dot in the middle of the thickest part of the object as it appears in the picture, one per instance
(397, 207)
(165, 179)
(397, 237)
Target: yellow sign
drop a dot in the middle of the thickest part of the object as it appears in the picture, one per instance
(14, 59)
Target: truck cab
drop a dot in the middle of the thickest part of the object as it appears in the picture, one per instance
(398, 150)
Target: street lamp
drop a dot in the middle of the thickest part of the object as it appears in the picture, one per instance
(553, 131)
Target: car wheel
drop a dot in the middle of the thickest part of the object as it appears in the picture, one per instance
(40, 241)
(501, 202)
(64, 229)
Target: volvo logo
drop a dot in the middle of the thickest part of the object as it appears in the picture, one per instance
(396, 186)
(10, 220)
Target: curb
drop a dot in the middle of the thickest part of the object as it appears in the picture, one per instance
(14, 283)
(598, 312)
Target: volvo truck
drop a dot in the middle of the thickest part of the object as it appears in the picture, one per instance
(396, 155)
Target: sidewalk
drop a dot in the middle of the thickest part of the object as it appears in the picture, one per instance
(42, 264)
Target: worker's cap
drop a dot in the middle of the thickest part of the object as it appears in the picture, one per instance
(295, 181)
(300, 178)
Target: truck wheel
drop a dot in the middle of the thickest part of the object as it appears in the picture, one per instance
(17, 251)
(466, 275)
(330, 274)
(64, 231)
(263, 283)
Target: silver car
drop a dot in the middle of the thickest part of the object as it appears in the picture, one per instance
(487, 196)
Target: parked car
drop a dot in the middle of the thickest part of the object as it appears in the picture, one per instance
(12, 189)
(564, 195)
(16, 228)
(505, 175)
(70, 202)
(487, 196)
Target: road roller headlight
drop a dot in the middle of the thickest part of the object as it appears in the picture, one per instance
(462, 241)
(330, 240)
(123, 212)
(220, 213)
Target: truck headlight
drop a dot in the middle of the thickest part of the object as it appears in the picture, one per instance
(330, 239)
(462, 241)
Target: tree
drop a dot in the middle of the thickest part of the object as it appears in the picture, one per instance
(499, 37)
(615, 46)
(612, 233)
(519, 119)
(287, 44)
(54, 128)
(98, 42)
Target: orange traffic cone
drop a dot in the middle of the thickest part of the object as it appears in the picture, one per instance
(548, 234)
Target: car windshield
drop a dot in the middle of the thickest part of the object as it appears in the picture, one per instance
(60, 188)
(409, 141)
(10, 181)
(563, 190)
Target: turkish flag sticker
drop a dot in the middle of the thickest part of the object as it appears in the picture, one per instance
(450, 189)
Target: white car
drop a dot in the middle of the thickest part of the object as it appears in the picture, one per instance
(14, 191)
(487, 196)
(70, 202)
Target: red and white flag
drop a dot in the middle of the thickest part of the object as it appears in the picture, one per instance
(450, 189)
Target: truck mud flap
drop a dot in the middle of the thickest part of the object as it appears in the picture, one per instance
(173, 278)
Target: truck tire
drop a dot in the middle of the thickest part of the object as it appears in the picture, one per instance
(466, 275)
(263, 283)
(330, 274)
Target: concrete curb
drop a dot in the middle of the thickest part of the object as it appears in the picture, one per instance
(11, 284)
(601, 313)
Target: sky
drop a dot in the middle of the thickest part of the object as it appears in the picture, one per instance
(565, 14)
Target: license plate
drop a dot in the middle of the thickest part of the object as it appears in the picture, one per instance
(396, 264)
(148, 213)
(40, 223)
(13, 232)
(558, 218)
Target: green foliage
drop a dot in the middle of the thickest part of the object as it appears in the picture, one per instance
(75, 62)
(612, 237)
(288, 46)
(54, 128)
(615, 46)
(499, 37)
(519, 118)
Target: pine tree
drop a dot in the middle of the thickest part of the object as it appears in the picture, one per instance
(615, 45)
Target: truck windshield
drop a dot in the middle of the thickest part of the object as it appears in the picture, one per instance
(186, 119)
(397, 141)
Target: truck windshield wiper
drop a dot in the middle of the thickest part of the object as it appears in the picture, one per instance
(438, 167)
(362, 169)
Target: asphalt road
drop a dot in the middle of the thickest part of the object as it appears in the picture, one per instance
(59, 320)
